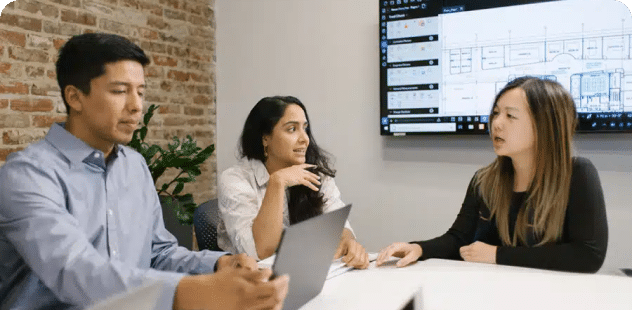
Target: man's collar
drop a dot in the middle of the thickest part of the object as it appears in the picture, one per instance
(74, 149)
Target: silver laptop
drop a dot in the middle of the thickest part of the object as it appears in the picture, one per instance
(306, 252)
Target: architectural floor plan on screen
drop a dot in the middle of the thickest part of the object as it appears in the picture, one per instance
(584, 45)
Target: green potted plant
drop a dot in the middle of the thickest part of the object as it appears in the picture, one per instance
(184, 156)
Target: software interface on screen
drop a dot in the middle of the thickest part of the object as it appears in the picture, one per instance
(441, 65)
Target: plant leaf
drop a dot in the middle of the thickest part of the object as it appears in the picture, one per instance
(178, 189)
(143, 133)
(149, 114)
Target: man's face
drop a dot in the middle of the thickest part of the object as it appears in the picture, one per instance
(110, 113)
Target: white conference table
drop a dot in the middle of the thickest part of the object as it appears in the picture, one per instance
(446, 284)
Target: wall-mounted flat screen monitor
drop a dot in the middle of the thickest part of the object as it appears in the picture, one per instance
(442, 62)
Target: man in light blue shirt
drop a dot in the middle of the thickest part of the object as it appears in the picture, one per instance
(80, 219)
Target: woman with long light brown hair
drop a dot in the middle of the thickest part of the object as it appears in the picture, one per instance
(535, 205)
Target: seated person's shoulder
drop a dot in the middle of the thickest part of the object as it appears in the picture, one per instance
(243, 170)
(38, 155)
(583, 166)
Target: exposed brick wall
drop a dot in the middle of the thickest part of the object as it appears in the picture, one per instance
(177, 35)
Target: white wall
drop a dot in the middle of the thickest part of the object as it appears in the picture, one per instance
(325, 52)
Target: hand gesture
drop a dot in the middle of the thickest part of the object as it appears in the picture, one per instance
(297, 175)
(479, 252)
(232, 288)
(353, 254)
(408, 252)
(237, 261)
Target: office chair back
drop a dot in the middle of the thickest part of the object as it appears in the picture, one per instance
(205, 219)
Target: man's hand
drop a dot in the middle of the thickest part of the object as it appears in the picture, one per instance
(232, 288)
(479, 252)
(353, 254)
(236, 261)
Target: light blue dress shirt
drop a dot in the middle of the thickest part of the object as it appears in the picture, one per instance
(75, 230)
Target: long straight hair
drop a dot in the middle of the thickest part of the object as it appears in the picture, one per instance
(554, 117)
(303, 203)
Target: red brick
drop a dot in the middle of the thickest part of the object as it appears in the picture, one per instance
(44, 89)
(203, 32)
(113, 26)
(45, 121)
(165, 61)
(171, 3)
(179, 100)
(195, 42)
(152, 71)
(39, 42)
(12, 37)
(178, 75)
(155, 99)
(174, 121)
(151, 8)
(23, 22)
(15, 88)
(203, 89)
(37, 105)
(58, 43)
(203, 78)
(199, 20)
(177, 15)
(148, 34)
(201, 99)
(157, 22)
(197, 121)
(168, 38)
(178, 51)
(4, 67)
(203, 134)
(35, 72)
(153, 47)
(192, 8)
(4, 103)
(165, 85)
(202, 56)
(129, 3)
(17, 137)
(72, 16)
(70, 3)
(169, 109)
(28, 55)
(193, 111)
(5, 152)
(35, 7)
(21, 120)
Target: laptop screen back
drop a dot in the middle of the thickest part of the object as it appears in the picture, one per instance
(306, 252)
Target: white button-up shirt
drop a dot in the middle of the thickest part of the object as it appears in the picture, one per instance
(241, 191)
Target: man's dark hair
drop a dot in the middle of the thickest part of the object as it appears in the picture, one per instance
(84, 57)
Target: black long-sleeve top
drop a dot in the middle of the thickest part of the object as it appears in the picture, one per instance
(582, 247)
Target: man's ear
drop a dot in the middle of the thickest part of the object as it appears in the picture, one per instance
(74, 98)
